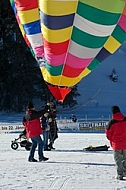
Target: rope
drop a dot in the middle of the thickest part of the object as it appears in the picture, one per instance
(88, 101)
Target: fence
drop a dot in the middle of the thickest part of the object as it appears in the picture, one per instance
(63, 124)
(82, 125)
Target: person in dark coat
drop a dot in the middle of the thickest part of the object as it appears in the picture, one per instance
(116, 134)
(45, 122)
(53, 133)
(31, 121)
(73, 118)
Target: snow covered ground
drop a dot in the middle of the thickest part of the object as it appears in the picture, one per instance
(68, 167)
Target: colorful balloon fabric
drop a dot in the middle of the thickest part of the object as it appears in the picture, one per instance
(69, 39)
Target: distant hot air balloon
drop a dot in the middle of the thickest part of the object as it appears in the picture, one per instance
(69, 39)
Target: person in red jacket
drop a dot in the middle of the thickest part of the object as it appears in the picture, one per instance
(31, 121)
(116, 134)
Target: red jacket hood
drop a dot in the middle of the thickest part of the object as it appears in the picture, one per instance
(118, 116)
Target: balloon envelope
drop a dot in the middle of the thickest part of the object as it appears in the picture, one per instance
(69, 39)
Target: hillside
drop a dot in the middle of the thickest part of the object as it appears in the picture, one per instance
(98, 92)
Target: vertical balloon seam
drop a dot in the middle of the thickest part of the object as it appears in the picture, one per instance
(73, 81)
(66, 53)
(21, 27)
(115, 39)
(47, 63)
(96, 56)
(58, 83)
(95, 65)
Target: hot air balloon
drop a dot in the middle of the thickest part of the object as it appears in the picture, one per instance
(69, 39)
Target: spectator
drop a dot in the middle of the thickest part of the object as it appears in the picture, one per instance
(116, 134)
(53, 133)
(73, 117)
(45, 122)
(31, 121)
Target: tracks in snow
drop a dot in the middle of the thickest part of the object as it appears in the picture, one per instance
(59, 183)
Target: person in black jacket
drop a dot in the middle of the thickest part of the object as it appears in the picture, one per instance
(53, 133)
(45, 122)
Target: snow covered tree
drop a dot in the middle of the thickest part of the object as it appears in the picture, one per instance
(113, 76)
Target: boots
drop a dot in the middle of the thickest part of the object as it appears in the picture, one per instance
(51, 146)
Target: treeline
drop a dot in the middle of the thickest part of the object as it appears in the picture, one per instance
(20, 76)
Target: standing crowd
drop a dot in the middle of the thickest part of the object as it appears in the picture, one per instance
(44, 122)
(39, 123)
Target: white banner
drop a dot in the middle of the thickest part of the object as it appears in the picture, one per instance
(11, 128)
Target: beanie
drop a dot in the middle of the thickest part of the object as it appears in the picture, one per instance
(30, 105)
(115, 109)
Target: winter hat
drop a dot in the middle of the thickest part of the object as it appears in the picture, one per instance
(30, 105)
(115, 109)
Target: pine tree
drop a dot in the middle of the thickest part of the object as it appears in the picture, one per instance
(19, 71)
(20, 76)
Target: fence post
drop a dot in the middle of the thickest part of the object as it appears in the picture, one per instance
(86, 118)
